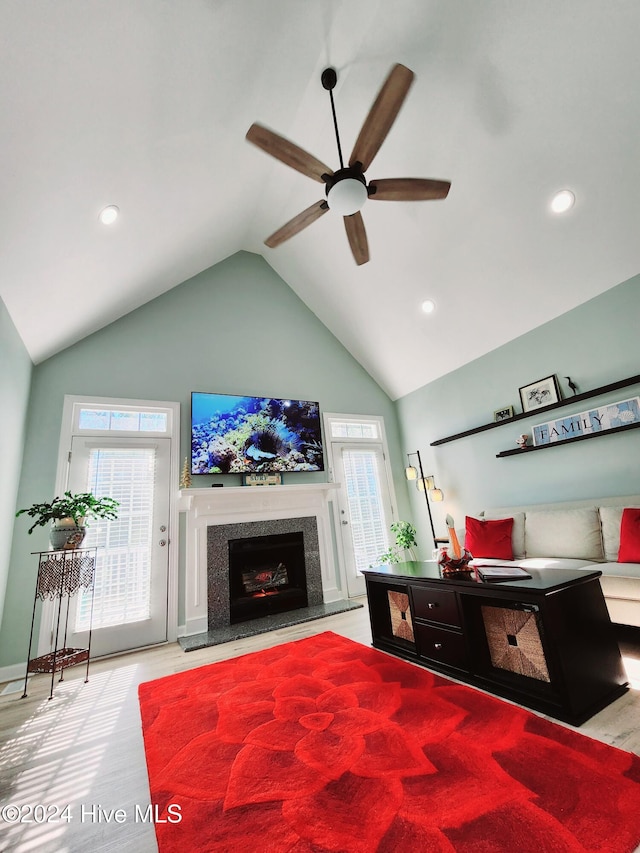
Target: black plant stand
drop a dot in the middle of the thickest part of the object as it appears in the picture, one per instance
(60, 575)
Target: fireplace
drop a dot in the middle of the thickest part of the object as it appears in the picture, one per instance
(214, 516)
(266, 575)
(303, 584)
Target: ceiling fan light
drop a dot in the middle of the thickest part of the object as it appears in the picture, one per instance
(347, 196)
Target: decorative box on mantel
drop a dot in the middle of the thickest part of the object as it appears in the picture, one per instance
(229, 505)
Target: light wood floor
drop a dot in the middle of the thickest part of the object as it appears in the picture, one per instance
(84, 748)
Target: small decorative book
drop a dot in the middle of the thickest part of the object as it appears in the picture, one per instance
(501, 573)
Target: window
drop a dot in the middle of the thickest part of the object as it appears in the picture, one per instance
(91, 419)
(123, 571)
(363, 478)
(351, 429)
(364, 506)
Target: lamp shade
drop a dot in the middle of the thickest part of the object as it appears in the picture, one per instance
(411, 473)
(347, 196)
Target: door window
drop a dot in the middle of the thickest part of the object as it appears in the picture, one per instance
(363, 486)
(364, 510)
(123, 571)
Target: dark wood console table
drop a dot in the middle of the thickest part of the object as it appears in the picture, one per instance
(546, 642)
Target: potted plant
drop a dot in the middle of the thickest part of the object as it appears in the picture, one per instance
(405, 540)
(69, 514)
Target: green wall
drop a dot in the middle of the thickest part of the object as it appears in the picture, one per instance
(15, 378)
(239, 328)
(235, 328)
(595, 344)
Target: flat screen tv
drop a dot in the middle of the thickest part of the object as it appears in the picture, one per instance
(231, 435)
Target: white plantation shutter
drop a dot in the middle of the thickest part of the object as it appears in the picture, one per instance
(362, 481)
(123, 567)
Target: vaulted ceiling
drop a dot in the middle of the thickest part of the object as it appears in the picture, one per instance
(145, 104)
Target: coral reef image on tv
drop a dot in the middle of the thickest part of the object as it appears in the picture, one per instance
(254, 434)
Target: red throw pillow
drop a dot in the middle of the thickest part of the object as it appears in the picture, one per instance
(629, 536)
(489, 537)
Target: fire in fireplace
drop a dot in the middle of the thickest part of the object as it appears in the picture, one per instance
(266, 575)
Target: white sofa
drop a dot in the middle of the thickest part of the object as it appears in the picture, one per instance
(575, 535)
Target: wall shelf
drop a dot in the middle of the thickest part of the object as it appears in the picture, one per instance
(603, 389)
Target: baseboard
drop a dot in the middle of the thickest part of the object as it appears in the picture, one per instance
(195, 626)
(329, 596)
(12, 672)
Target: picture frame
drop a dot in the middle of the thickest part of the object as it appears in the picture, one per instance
(273, 479)
(537, 395)
(600, 419)
(503, 414)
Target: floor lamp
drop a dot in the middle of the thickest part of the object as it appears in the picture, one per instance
(425, 484)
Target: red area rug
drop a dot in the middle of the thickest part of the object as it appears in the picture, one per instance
(328, 746)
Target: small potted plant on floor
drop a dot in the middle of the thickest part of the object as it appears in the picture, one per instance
(69, 515)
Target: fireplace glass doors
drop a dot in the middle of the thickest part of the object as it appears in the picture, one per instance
(266, 575)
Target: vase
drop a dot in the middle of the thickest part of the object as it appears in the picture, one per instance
(66, 534)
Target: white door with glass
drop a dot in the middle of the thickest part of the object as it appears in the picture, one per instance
(364, 506)
(128, 608)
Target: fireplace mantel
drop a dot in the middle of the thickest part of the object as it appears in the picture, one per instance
(237, 504)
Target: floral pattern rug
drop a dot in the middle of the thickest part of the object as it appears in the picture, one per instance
(324, 745)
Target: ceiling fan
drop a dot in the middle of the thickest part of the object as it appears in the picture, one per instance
(347, 189)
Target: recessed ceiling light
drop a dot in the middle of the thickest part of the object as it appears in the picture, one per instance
(562, 201)
(428, 306)
(109, 215)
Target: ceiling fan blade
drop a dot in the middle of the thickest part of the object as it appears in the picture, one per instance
(297, 224)
(381, 116)
(287, 152)
(408, 189)
(357, 237)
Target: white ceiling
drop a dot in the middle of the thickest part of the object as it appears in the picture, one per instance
(145, 104)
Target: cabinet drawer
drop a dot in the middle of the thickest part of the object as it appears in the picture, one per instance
(442, 645)
(436, 605)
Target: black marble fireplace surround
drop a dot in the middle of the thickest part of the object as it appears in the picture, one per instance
(218, 538)
(266, 575)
